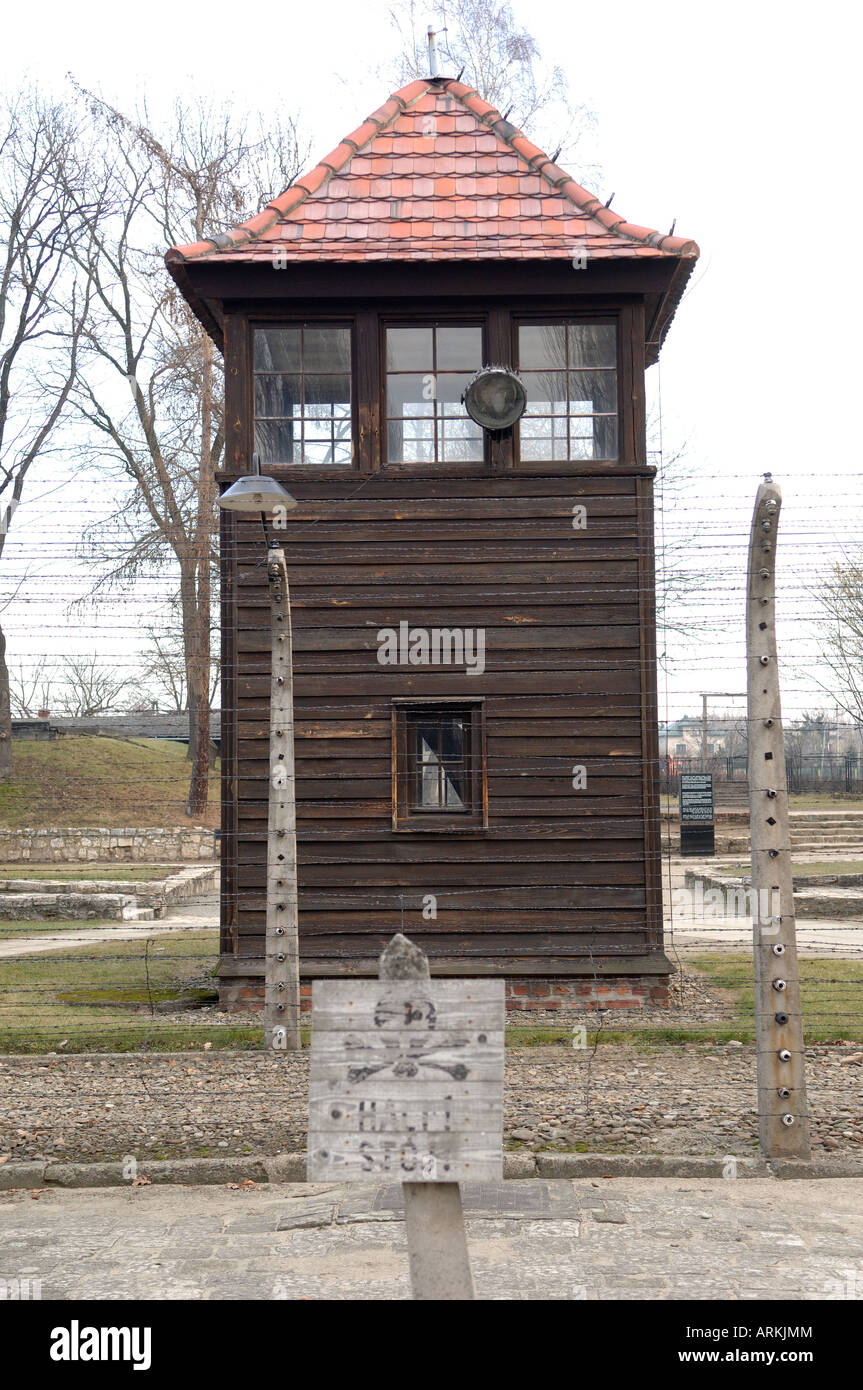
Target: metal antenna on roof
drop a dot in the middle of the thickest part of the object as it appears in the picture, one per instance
(556, 153)
(608, 204)
(671, 228)
(434, 65)
(506, 113)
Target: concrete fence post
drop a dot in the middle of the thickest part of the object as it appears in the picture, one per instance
(783, 1115)
(282, 963)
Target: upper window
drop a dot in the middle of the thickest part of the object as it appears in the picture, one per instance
(570, 373)
(303, 395)
(428, 368)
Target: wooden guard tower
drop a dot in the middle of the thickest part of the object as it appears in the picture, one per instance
(473, 608)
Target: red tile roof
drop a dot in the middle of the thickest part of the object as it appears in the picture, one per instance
(435, 174)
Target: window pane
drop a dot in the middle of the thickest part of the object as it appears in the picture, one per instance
(428, 740)
(605, 437)
(452, 739)
(428, 370)
(450, 388)
(277, 349)
(592, 345)
(410, 441)
(274, 441)
(320, 453)
(460, 441)
(594, 438)
(546, 393)
(428, 766)
(277, 395)
(440, 771)
(334, 391)
(419, 429)
(435, 773)
(459, 347)
(460, 450)
(326, 350)
(411, 395)
(542, 346)
(454, 789)
(303, 395)
(545, 450)
(596, 390)
(575, 398)
(539, 428)
(409, 349)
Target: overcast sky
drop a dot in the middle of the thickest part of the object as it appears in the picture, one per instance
(740, 121)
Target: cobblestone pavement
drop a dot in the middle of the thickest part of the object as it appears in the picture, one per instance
(614, 1239)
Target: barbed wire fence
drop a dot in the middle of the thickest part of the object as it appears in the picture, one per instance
(112, 1038)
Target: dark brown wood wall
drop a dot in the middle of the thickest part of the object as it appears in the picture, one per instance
(562, 881)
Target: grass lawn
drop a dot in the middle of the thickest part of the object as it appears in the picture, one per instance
(38, 1012)
(114, 873)
(831, 991)
(831, 994)
(812, 801)
(97, 781)
(802, 801)
(35, 1018)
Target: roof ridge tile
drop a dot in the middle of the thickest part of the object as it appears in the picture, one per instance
(528, 150)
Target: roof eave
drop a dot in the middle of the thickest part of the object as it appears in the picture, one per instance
(662, 300)
(657, 330)
(199, 306)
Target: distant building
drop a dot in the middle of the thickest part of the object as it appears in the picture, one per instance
(34, 728)
(682, 738)
(174, 727)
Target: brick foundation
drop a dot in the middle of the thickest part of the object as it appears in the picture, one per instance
(522, 995)
(576, 995)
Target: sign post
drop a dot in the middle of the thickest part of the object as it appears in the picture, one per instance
(697, 815)
(407, 1085)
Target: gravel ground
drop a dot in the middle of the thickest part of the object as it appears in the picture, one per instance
(691, 1099)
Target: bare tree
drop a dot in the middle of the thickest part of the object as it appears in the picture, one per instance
(89, 687)
(164, 673)
(808, 742)
(682, 571)
(30, 688)
(42, 309)
(482, 41)
(734, 742)
(839, 597)
(149, 388)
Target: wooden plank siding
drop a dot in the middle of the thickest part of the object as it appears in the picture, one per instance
(560, 879)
